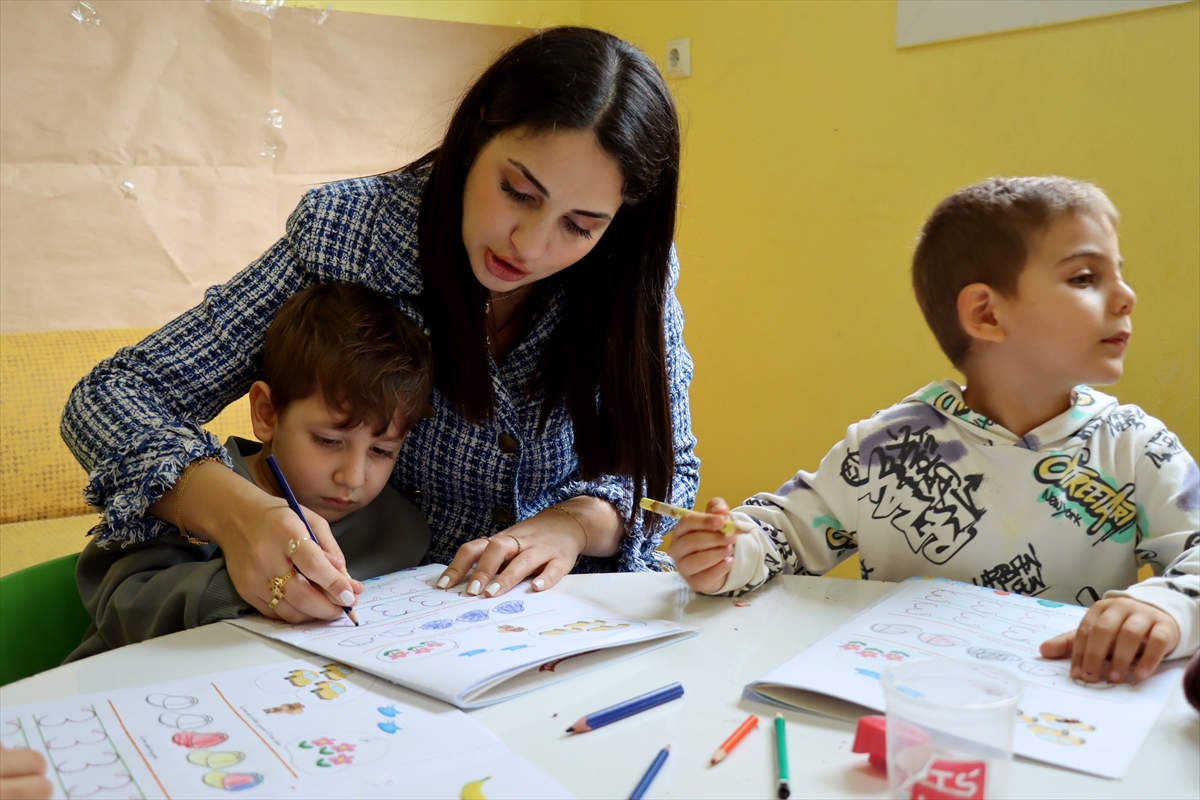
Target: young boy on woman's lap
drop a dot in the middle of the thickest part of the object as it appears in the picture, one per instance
(1025, 480)
(344, 377)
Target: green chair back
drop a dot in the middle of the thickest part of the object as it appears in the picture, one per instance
(42, 618)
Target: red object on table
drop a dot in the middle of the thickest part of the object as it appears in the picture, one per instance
(871, 738)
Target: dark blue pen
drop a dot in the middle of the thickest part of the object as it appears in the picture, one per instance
(291, 501)
(627, 708)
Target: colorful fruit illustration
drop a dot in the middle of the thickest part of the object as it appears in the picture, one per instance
(232, 781)
(474, 789)
(202, 740)
(220, 759)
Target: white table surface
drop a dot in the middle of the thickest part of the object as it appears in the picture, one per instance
(736, 646)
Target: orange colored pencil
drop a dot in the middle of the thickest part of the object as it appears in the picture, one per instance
(727, 746)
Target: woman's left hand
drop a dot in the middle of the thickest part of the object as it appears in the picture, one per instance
(548, 544)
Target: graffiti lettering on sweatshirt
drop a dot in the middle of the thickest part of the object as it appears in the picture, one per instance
(1023, 574)
(1124, 418)
(957, 408)
(1112, 510)
(1062, 508)
(1162, 447)
(1088, 430)
(837, 538)
(922, 496)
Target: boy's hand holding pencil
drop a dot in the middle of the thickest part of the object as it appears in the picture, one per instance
(702, 545)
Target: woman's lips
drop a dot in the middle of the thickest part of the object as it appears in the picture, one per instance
(502, 269)
(1120, 340)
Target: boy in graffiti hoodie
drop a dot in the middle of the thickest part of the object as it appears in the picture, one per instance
(1025, 480)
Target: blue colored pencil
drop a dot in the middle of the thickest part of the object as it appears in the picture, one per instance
(622, 710)
(648, 778)
(295, 506)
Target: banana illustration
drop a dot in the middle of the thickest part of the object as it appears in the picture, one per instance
(474, 790)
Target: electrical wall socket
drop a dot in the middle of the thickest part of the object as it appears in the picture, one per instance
(679, 58)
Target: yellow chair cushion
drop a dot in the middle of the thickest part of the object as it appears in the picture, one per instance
(39, 478)
(23, 544)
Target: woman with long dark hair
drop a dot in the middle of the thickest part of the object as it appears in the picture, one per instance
(534, 246)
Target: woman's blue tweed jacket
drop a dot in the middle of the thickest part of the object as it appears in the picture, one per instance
(135, 421)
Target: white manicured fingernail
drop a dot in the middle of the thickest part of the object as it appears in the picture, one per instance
(473, 588)
(347, 598)
(539, 583)
(443, 582)
(492, 589)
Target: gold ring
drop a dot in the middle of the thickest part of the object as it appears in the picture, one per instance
(274, 602)
(293, 546)
(515, 539)
(275, 586)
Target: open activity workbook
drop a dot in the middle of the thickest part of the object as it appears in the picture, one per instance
(1093, 728)
(471, 651)
(297, 729)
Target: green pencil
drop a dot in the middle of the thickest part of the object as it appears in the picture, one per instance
(782, 791)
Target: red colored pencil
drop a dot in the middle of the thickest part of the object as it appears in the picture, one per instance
(727, 746)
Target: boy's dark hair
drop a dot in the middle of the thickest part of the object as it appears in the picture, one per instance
(351, 345)
(981, 234)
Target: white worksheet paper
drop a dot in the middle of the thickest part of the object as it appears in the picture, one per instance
(299, 729)
(471, 651)
(1093, 728)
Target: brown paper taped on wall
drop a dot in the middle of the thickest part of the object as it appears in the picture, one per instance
(172, 99)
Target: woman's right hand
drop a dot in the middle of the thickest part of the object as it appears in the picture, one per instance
(255, 532)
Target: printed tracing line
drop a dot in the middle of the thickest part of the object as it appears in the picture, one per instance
(399, 628)
(995, 606)
(12, 729)
(970, 619)
(994, 645)
(421, 623)
(77, 780)
(381, 609)
(397, 642)
(253, 730)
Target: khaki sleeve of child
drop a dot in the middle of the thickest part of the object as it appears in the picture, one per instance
(806, 527)
(1168, 492)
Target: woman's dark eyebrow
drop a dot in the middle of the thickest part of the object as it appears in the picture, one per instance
(546, 193)
(529, 176)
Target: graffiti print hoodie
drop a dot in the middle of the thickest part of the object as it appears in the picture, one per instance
(1068, 512)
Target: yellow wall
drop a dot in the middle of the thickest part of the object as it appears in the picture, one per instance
(814, 150)
(521, 13)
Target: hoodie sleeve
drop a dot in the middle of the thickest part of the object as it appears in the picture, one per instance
(806, 527)
(1168, 485)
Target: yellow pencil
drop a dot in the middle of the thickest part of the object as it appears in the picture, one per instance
(668, 510)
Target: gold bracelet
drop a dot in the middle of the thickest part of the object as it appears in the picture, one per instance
(578, 520)
(183, 479)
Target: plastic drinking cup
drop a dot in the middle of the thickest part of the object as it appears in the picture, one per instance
(949, 730)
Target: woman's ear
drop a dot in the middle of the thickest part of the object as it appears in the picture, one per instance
(263, 418)
(977, 313)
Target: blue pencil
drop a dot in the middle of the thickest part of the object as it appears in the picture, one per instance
(295, 506)
(648, 778)
(627, 708)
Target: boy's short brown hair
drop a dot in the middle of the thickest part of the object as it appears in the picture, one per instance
(981, 234)
(350, 344)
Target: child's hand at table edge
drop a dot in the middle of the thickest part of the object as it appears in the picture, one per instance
(1121, 629)
(23, 775)
(703, 554)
